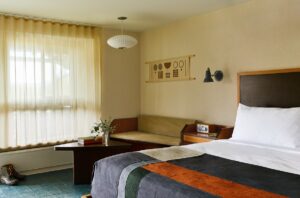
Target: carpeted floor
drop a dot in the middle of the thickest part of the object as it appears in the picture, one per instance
(46, 185)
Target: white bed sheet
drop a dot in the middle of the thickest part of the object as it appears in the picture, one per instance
(277, 158)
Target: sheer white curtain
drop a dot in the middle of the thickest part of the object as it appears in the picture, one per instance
(49, 81)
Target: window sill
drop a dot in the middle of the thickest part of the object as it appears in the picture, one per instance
(32, 148)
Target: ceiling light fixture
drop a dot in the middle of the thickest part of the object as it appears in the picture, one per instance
(122, 41)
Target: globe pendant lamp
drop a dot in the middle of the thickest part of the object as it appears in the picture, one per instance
(122, 41)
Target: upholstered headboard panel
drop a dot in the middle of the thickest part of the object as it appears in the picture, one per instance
(274, 88)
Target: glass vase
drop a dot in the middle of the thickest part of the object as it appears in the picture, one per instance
(105, 139)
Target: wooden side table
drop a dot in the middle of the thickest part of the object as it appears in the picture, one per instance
(194, 137)
(223, 132)
(85, 156)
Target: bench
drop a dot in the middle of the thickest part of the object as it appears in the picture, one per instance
(148, 131)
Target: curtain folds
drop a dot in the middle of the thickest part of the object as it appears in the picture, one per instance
(50, 81)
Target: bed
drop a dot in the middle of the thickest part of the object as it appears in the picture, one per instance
(268, 167)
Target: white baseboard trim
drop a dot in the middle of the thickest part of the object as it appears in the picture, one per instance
(38, 160)
(48, 169)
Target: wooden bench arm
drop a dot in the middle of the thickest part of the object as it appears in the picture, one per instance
(187, 129)
(225, 133)
(125, 124)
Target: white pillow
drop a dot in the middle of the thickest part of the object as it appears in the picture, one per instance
(270, 126)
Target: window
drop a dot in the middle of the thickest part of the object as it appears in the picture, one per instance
(50, 82)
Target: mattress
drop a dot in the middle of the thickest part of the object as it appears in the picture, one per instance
(222, 168)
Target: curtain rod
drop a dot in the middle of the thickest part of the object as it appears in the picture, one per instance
(28, 17)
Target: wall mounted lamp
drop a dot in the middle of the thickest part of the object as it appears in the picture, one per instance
(218, 75)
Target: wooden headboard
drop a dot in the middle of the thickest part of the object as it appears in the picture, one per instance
(273, 88)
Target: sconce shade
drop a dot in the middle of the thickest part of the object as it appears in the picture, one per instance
(218, 75)
(208, 77)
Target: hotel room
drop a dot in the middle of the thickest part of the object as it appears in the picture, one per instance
(149, 99)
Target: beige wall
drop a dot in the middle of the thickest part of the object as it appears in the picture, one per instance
(120, 79)
(257, 35)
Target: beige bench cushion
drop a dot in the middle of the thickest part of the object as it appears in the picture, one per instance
(147, 137)
(162, 125)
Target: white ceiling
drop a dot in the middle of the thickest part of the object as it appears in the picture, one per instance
(142, 14)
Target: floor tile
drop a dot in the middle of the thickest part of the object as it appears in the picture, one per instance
(50, 185)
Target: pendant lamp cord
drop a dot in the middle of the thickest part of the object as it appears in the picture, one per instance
(122, 19)
(122, 27)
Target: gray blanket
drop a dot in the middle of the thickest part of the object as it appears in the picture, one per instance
(178, 173)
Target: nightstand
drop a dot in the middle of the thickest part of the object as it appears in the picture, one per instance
(194, 137)
(189, 137)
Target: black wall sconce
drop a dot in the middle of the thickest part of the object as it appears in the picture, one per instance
(218, 75)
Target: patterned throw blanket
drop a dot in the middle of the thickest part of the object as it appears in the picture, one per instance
(178, 172)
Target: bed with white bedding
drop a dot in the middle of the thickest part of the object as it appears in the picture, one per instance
(262, 159)
(221, 168)
(273, 157)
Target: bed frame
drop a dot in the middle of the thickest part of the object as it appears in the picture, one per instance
(271, 88)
